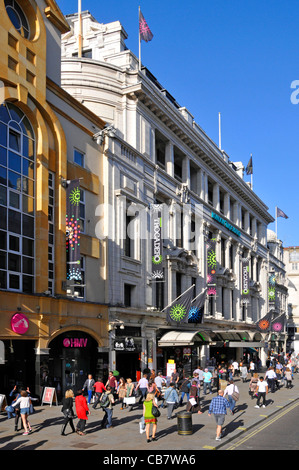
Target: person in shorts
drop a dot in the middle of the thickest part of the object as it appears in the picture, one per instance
(218, 407)
(24, 402)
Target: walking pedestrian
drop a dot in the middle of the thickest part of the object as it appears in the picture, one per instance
(244, 372)
(149, 418)
(207, 381)
(112, 382)
(235, 365)
(108, 410)
(67, 410)
(232, 393)
(193, 404)
(171, 398)
(142, 387)
(252, 385)
(252, 368)
(25, 402)
(159, 381)
(288, 377)
(262, 390)
(99, 388)
(82, 411)
(88, 384)
(218, 407)
(129, 393)
(121, 392)
(271, 377)
(185, 390)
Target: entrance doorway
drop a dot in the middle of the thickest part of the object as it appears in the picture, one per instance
(73, 355)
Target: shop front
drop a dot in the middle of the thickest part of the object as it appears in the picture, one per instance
(72, 356)
(186, 348)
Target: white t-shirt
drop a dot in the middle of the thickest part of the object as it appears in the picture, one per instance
(271, 374)
(262, 386)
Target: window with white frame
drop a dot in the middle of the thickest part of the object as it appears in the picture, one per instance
(79, 158)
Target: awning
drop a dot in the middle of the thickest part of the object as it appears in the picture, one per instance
(184, 338)
(232, 335)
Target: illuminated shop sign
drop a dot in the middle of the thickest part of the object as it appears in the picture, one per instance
(226, 224)
(75, 342)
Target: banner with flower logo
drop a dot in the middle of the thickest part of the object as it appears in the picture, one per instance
(278, 324)
(264, 324)
(211, 267)
(73, 257)
(178, 311)
(272, 289)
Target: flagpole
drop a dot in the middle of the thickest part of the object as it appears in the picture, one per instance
(202, 292)
(177, 298)
(219, 118)
(139, 38)
(80, 29)
(251, 176)
(276, 221)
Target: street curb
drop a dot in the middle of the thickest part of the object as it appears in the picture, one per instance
(237, 433)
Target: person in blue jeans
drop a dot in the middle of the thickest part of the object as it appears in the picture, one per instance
(171, 397)
(89, 384)
(207, 381)
(107, 420)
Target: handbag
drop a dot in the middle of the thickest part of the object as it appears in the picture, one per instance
(235, 395)
(155, 411)
(68, 413)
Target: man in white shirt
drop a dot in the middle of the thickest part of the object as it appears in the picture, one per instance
(271, 377)
(262, 390)
(235, 365)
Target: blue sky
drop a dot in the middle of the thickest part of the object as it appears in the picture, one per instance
(235, 57)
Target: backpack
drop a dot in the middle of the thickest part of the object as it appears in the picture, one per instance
(104, 400)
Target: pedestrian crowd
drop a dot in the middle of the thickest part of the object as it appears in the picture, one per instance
(155, 392)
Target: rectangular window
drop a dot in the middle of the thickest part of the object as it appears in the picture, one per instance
(30, 77)
(79, 158)
(12, 64)
(128, 295)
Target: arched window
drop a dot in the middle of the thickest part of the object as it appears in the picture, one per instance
(17, 200)
(17, 17)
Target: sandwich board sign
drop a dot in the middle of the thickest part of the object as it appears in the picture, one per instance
(49, 396)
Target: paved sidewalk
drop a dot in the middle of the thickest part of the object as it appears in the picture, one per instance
(125, 436)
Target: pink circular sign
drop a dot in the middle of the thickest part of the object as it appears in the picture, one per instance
(19, 323)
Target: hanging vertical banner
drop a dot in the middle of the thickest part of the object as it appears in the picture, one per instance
(211, 267)
(73, 258)
(245, 294)
(272, 289)
(157, 274)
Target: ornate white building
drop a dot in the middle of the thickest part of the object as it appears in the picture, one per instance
(154, 151)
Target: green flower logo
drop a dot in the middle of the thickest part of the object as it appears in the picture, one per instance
(178, 312)
(75, 196)
(157, 259)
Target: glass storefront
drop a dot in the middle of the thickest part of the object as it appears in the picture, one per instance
(73, 355)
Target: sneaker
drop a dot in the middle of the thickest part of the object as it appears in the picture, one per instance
(25, 433)
(264, 406)
(256, 406)
(218, 438)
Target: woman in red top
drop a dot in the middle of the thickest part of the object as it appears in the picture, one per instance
(82, 411)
